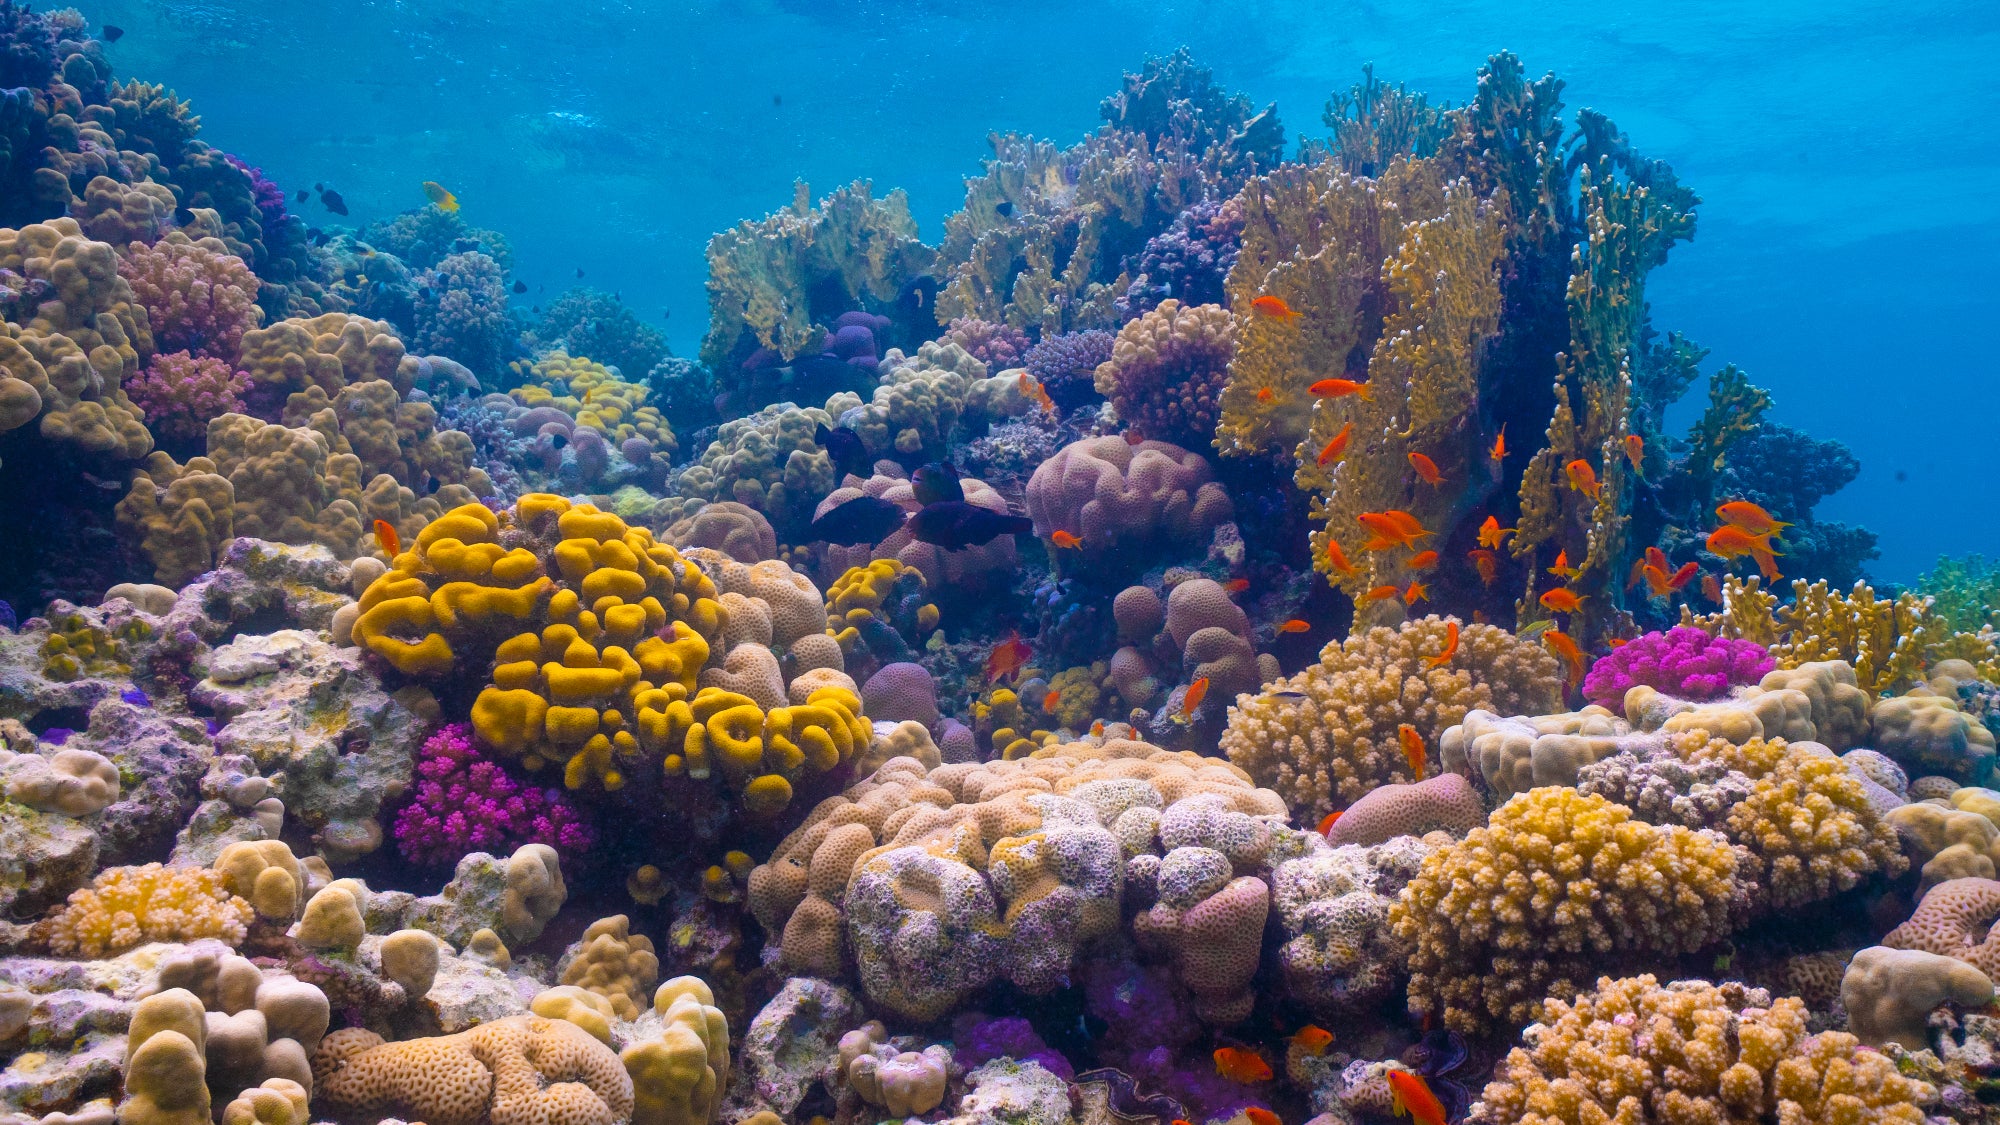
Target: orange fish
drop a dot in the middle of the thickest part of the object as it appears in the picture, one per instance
(1616, 642)
(1263, 394)
(1327, 822)
(1562, 566)
(1236, 585)
(1337, 558)
(1381, 593)
(1258, 1115)
(1239, 1065)
(1270, 306)
(1416, 593)
(1680, 578)
(1749, 517)
(1658, 582)
(1450, 645)
(1499, 451)
(1427, 470)
(1486, 563)
(1340, 388)
(1097, 729)
(385, 534)
(1065, 540)
(1562, 600)
(1637, 573)
(1413, 748)
(1656, 557)
(1566, 648)
(1294, 626)
(1335, 449)
(1423, 560)
(1410, 1096)
(1196, 692)
(1132, 438)
(1491, 533)
(1711, 589)
(1312, 1039)
(1051, 701)
(1394, 528)
(1732, 542)
(1007, 658)
(1635, 451)
(1583, 478)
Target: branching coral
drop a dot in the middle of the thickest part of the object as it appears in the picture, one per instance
(180, 394)
(1166, 371)
(1883, 639)
(125, 906)
(1556, 884)
(198, 296)
(461, 312)
(1328, 735)
(1683, 662)
(466, 803)
(1189, 260)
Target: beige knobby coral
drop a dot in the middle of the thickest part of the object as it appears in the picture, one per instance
(521, 1070)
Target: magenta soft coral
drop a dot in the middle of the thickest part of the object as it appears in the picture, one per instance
(1683, 661)
(199, 297)
(180, 393)
(466, 803)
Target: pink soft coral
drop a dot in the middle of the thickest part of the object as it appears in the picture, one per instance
(199, 297)
(1683, 662)
(466, 803)
(180, 393)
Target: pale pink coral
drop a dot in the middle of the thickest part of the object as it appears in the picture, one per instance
(180, 393)
(199, 297)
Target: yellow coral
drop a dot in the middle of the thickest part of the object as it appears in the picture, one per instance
(1557, 881)
(678, 1078)
(327, 351)
(1809, 825)
(596, 397)
(613, 962)
(859, 595)
(127, 906)
(1885, 640)
(526, 1069)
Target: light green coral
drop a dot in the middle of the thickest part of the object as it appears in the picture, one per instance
(767, 461)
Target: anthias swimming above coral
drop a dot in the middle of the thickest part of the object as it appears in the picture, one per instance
(1225, 635)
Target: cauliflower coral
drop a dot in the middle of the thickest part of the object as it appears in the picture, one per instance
(128, 906)
(1683, 661)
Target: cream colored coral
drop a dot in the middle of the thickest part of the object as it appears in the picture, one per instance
(535, 891)
(1516, 753)
(1327, 750)
(332, 920)
(1632, 1051)
(678, 1078)
(125, 906)
(275, 1101)
(615, 963)
(266, 873)
(1813, 833)
(410, 958)
(580, 1006)
(72, 781)
(522, 1070)
(165, 1068)
(1889, 994)
(1558, 881)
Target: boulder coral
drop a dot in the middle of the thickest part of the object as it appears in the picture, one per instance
(1114, 493)
(1166, 371)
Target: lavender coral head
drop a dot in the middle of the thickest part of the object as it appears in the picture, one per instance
(1683, 661)
(180, 393)
(465, 803)
(1066, 365)
(998, 346)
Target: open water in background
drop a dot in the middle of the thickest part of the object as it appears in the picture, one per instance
(1848, 254)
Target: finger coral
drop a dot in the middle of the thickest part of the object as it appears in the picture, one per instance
(125, 906)
(180, 394)
(1166, 371)
(467, 803)
(1683, 662)
(198, 296)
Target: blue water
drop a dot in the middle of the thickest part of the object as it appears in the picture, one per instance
(1845, 257)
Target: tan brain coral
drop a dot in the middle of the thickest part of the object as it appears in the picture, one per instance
(521, 1070)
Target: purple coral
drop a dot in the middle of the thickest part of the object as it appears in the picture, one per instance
(1683, 661)
(269, 197)
(180, 393)
(461, 312)
(978, 1040)
(198, 297)
(1066, 365)
(1188, 261)
(998, 346)
(466, 803)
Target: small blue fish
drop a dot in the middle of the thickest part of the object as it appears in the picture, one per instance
(136, 698)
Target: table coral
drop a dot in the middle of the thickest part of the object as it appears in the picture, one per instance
(1682, 661)
(1692, 1051)
(1554, 886)
(465, 802)
(125, 906)
(1325, 751)
(1166, 371)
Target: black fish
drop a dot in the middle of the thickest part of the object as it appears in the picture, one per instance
(1004, 208)
(957, 524)
(520, 287)
(918, 292)
(333, 202)
(304, 195)
(937, 481)
(850, 455)
(464, 245)
(777, 99)
(821, 365)
(665, 313)
(319, 187)
(317, 236)
(113, 33)
(864, 519)
(579, 271)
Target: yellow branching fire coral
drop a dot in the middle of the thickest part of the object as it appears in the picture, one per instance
(595, 396)
(1555, 884)
(1325, 737)
(1887, 641)
(127, 906)
(1690, 1052)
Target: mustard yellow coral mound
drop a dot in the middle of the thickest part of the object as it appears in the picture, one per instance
(128, 906)
(595, 396)
(328, 351)
(1809, 826)
(860, 596)
(1326, 750)
(1633, 1051)
(1556, 883)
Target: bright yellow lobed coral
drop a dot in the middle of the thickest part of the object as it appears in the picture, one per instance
(128, 906)
(860, 593)
(1691, 1052)
(1325, 751)
(595, 396)
(1556, 883)
(614, 963)
(678, 1078)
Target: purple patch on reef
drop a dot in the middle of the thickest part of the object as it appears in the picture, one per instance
(56, 736)
(136, 697)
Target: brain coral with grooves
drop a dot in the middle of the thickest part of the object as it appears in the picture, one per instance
(1325, 737)
(1107, 490)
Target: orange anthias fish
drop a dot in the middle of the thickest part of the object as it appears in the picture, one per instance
(385, 534)
(1656, 557)
(436, 193)
(1562, 600)
(1450, 645)
(1680, 578)
(1499, 451)
(1132, 438)
(1566, 648)
(1051, 701)
(1239, 1065)
(1732, 542)
(1327, 822)
(1659, 583)
(1423, 560)
(1312, 1039)
(1337, 558)
(1486, 563)
(1196, 692)
(1236, 585)
(1637, 573)
(1395, 528)
(1007, 658)
(1382, 593)
(1427, 470)
(1413, 749)
(1583, 478)
(1749, 517)
(1097, 729)
(1337, 448)
(1065, 540)
(1416, 593)
(1562, 567)
(1275, 307)
(1635, 451)
(1037, 393)
(1294, 626)
(1258, 1115)
(1340, 388)
(1711, 589)
(1411, 1097)
(1491, 533)
(1264, 394)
